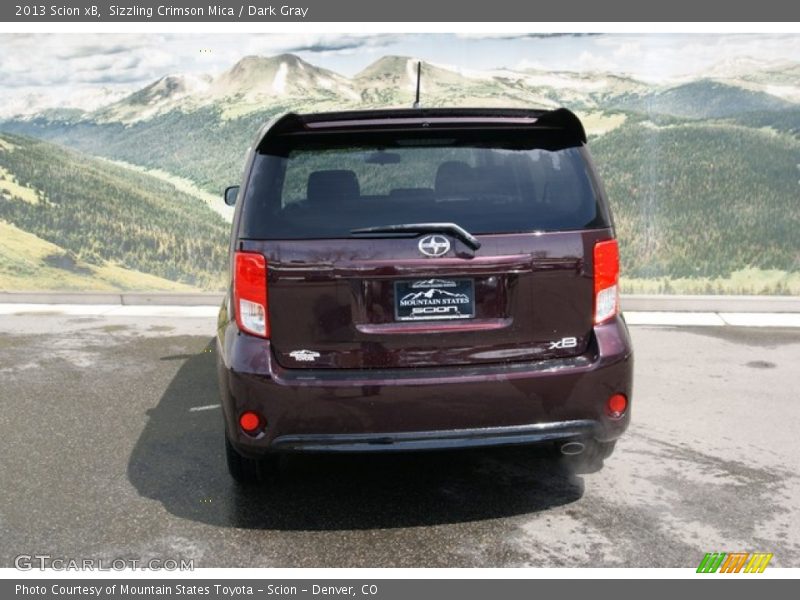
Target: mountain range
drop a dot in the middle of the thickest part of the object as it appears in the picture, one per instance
(702, 173)
(257, 83)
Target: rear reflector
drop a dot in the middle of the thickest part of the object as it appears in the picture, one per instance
(249, 421)
(606, 280)
(617, 405)
(250, 293)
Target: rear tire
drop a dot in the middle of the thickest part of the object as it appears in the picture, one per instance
(591, 459)
(249, 471)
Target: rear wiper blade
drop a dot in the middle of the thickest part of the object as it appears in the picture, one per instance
(455, 230)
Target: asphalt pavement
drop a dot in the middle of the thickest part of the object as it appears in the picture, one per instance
(111, 440)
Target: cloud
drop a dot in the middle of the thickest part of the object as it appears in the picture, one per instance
(628, 50)
(94, 50)
(320, 44)
(590, 61)
(324, 48)
(667, 57)
(336, 44)
(27, 101)
(522, 36)
(64, 69)
(55, 60)
(112, 78)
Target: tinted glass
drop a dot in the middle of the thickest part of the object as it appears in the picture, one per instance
(486, 186)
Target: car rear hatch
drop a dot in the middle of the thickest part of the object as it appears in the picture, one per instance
(425, 240)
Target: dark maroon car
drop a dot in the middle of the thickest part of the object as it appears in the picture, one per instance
(421, 279)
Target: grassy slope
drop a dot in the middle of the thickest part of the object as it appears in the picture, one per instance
(749, 281)
(26, 264)
(710, 205)
(100, 214)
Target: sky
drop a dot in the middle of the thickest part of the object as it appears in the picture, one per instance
(87, 70)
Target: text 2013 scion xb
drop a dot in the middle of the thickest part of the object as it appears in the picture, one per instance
(421, 279)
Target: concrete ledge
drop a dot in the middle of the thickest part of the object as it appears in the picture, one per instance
(172, 298)
(631, 302)
(712, 304)
(120, 298)
(60, 298)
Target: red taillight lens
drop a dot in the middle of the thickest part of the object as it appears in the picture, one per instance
(249, 421)
(250, 293)
(617, 405)
(606, 280)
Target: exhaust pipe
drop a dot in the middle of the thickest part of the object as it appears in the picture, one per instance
(572, 448)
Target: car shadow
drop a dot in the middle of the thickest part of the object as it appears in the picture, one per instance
(179, 461)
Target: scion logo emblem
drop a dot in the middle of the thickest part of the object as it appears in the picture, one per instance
(434, 245)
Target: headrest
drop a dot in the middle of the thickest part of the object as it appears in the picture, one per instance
(334, 184)
(453, 178)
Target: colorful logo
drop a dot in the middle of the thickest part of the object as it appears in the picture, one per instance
(734, 562)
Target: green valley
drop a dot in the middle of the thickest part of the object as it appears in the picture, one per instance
(90, 220)
(704, 176)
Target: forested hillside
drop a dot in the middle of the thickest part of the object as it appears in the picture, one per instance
(199, 146)
(702, 175)
(704, 99)
(702, 199)
(100, 213)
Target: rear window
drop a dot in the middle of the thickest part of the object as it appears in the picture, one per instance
(326, 186)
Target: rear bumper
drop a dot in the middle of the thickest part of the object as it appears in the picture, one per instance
(437, 440)
(421, 409)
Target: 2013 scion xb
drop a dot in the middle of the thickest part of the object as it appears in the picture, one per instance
(418, 279)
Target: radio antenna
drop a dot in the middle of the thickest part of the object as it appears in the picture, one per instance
(419, 75)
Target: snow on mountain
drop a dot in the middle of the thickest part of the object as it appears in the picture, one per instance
(161, 96)
(257, 83)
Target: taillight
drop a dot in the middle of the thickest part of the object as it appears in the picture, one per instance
(606, 280)
(250, 293)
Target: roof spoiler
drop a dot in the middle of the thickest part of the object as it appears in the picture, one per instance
(560, 118)
(563, 118)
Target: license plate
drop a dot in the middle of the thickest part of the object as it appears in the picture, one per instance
(429, 299)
